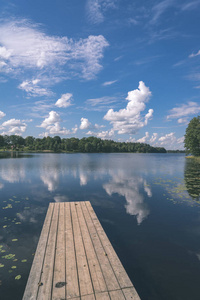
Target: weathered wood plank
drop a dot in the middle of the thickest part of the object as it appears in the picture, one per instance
(45, 287)
(35, 273)
(116, 295)
(84, 278)
(75, 259)
(119, 270)
(72, 287)
(94, 267)
(109, 276)
(88, 297)
(59, 280)
(130, 294)
(102, 296)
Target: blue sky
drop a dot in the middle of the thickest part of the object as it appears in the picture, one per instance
(116, 69)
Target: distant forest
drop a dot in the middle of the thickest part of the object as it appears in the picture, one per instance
(85, 145)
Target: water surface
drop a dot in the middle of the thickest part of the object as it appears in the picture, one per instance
(147, 204)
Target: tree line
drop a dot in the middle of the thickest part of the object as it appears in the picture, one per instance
(85, 145)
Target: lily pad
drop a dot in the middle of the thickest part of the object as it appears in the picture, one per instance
(14, 240)
(1, 265)
(9, 256)
(18, 277)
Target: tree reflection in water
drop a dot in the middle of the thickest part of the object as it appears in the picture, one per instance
(192, 178)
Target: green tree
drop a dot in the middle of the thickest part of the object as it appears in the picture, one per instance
(192, 137)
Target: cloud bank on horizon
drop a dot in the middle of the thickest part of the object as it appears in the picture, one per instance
(70, 76)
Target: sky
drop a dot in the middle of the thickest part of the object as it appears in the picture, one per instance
(126, 70)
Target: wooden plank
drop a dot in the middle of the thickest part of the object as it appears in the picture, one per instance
(35, 273)
(102, 296)
(83, 269)
(88, 297)
(59, 280)
(94, 267)
(119, 270)
(75, 259)
(72, 287)
(116, 295)
(45, 287)
(106, 268)
(131, 294)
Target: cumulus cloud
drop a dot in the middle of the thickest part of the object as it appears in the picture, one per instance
(153, 137)
(25, 46)
(32, 88)
(85, 124)
(64, 101)
(129, 119)
(170, 141)
(13, 126)
(53, 127)
(104, 135)
(53, 118)
(184, 110)
(2, 114)
(144, 138)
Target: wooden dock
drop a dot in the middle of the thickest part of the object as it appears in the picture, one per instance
(75, 259)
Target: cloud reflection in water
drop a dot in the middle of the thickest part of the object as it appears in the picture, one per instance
(129, 187)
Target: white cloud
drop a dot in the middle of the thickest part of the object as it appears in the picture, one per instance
(96, 9)
(13, 126)
(153, 138)
(53, 127)
(184, 110)
(167, 138)
(144, 138)
(2, 114)
(4, 53)
(25, 46)
(109, 82)
(64, 101)
(41, 106)
(53, 118)
(190, 5)
(100, 104)
(170, 141)
(183, 121)
(194, 54)
(106, 135)
(85, 124)
(160, 8)
(33, 89)
(129, 119)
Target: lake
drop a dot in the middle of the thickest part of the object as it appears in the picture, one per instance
(148, 205)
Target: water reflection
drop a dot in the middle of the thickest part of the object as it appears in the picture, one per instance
(12, 172)
(50, 178)
(132, 188)
(192, 178)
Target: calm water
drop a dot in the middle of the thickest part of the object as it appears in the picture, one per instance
(147, 204)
